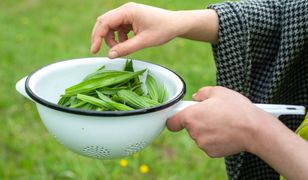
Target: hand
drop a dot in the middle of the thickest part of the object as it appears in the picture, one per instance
(151, 27)
(223, 123)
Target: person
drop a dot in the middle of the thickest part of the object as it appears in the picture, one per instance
(261, 53)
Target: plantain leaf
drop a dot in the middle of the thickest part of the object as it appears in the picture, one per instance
(103, 73)
(152, 87)
(113, 90)
(162, 94)
(118, 106)
(129, 65)
(94, 101)
(107, 80)
(134, 100)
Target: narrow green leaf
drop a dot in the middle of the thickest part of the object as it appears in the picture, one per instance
(94, 74)
(114, 90)
(63, 100)
(88, 106)
(134, 100)
(99, 109)
(94, 101)
(136, 86)
(152, 87)
(103, 73)
(139, 91)
(162, 94)
(150, 102)
(117, 98)
(111, 91)
(72, 101)
(118, 106)
(77, 105)
(129, 65)
(102, 67)
(108, 80)
(136, 80)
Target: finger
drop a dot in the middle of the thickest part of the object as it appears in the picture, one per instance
(104, 24)
(127, 47)
(96, 45)
(203, 94)
(110, 39)
(175, 123)
(122, 35)
(97, 39)
(93, 30)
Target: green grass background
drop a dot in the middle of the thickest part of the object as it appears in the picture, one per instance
(34, 33)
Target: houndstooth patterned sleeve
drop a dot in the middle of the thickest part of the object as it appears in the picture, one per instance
(263, 53)
(243, 27)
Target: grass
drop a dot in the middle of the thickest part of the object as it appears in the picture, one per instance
(35, 33)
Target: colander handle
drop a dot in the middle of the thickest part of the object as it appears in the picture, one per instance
(21, 87)
(275, 109)
(281, 109)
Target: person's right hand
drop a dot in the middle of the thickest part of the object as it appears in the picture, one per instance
(151, 26)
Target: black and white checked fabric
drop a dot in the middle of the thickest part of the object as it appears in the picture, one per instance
(263, 54)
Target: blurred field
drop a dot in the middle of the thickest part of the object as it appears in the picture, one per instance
(34, 33)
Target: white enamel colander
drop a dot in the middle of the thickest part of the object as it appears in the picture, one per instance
(107, 134)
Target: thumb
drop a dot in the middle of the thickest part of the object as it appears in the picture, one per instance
(203, 93)
(176, 123)
(127, 47)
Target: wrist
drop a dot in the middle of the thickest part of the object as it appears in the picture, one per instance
(260, 131)
(278, 146)
(201, 25)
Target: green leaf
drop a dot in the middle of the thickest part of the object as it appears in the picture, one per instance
(111, 91)
(103, 73)
(136, 80)
(136, 86)
(149, 102)
(152, 87)
(98, 71)
(134, 100)
(77, 105)
(102, 67)
(94, 101)
(129, 65)
(162, 94)
(63, 100)
(96, 83)
(88, 106)
(118, 106)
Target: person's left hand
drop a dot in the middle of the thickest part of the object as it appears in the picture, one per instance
(223, 123)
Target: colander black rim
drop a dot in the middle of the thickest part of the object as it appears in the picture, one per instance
(57, 107)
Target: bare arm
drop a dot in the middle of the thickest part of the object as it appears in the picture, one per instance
(151, 27)
(281, 148)
(201, 25)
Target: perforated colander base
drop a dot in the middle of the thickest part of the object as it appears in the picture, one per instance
(135, 147)
(96, 152)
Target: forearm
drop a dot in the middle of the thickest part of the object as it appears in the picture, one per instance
(200, 25)
(282, 149)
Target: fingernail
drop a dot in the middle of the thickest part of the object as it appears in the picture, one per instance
(113, 54)
(194, 95)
